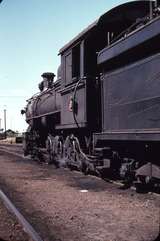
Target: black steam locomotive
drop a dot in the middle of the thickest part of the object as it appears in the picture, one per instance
(102, 114)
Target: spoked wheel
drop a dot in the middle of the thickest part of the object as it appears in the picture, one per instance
(75, 158)
(148, 176)
(72, 154)
(49, 143)
(54, 146)
(144, 184)
(58, 151)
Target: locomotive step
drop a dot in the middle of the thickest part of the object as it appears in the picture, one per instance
(102, 167)
(103, 151)
(106, 164)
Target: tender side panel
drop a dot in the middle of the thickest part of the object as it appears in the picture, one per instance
(131, 97)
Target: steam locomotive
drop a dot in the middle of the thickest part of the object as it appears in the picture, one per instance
(102, 113)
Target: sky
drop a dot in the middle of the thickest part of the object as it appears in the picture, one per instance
(31, 34)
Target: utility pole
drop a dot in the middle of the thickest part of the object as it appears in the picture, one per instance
(151, 9)
(5, 134)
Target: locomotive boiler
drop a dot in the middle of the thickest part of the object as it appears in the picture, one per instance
(102, 113)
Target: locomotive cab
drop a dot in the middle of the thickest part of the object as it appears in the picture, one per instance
(80, 72)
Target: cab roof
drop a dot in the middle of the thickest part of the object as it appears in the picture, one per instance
(122, 14)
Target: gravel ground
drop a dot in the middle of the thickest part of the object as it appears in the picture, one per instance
(12, 147)
(68, 206)
(10, 229)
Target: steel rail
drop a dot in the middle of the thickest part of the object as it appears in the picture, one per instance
(26, 225)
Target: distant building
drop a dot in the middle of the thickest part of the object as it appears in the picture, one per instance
(10, 133)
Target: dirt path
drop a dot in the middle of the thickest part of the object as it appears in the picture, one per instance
(68, 206)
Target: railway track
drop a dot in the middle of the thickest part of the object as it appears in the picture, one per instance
(17, 150)
(27, 227)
